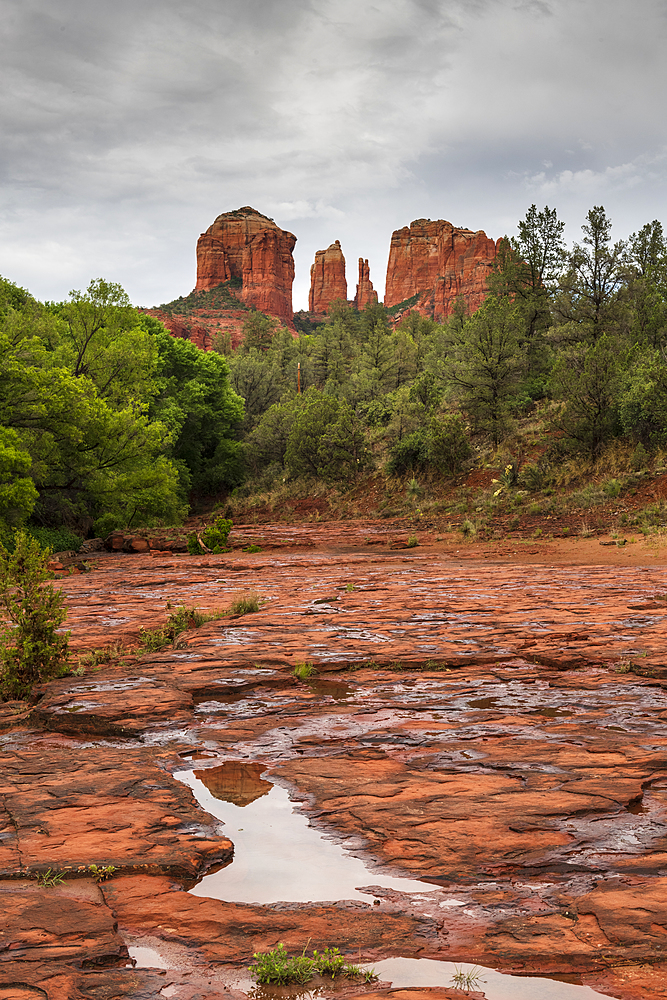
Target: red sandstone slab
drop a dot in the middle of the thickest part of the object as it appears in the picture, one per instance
(67, 808)
(232, 932)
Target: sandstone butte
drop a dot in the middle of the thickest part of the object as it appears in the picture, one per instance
(365, 291)
(327, 279)
(439, 263)
(248, 245)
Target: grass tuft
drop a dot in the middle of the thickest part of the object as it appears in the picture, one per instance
(245, 604)
(302, 671)
(279, 968)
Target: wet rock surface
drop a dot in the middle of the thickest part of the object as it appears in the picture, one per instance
(467, 725)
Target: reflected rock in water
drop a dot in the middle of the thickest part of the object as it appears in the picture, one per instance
(235, 782)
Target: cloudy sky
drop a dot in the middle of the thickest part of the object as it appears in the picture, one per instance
(126, 127)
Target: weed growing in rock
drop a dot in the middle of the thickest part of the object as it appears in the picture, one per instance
(302, 671)
(244, 604)
(50, 878)
(97, 656)
(349, 587)
(32, 648)
(412, 542)
(180, 620)
(468, 528)
(469, 980)
(101, 872)
(252, 548)
(276, 966)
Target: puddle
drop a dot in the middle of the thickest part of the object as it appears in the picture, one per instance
(403, 973)
(331, 689)
(147, 958)
(235, 782)
(277, 855)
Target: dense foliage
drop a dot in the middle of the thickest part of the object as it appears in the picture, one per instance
(579, 333)
(106, 420)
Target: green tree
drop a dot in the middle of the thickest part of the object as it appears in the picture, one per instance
(17, 490)
(103, 338)
(325, 439)
(32, 647)
(597, 272)
(486, 364)
(203, 414)
(587, 378)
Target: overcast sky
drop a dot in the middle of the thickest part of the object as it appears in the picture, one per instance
(126, 127)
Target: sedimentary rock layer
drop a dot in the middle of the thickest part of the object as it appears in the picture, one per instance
(327, 279)
(365, 291)
(248, 245)
(439, 263)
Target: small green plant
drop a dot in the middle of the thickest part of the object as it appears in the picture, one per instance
(180, 620)
(349, 587)
(50, 878)
(97, 656)
(302, 671)
(537, 533)
(245, 604)
(78, 671)
(468, 529)
(102, 872)
(613, 488)
(32, 647)
(624, 667)
(413, 490)
(252, 548)
(508, 478)
(212, 539)
(277, 967)
(412, 542)
(467, 980)
(532, 477)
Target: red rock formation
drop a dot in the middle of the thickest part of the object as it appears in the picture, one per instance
(365, 291)
(327, 279)
(248, 245)
(440, 263)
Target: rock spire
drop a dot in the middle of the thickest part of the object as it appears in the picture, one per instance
(327, 279)
(365, 291)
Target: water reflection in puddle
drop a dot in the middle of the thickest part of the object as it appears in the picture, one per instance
(403, 973)
(277, 855)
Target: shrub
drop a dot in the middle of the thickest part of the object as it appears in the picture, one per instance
(412, 542)
(448, 446)
(211, 539)
(639, 459)
(31, 648)
(56, 539)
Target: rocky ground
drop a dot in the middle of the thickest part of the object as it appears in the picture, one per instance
(487, 718)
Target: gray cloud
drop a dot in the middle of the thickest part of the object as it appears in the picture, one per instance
(128, 127)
